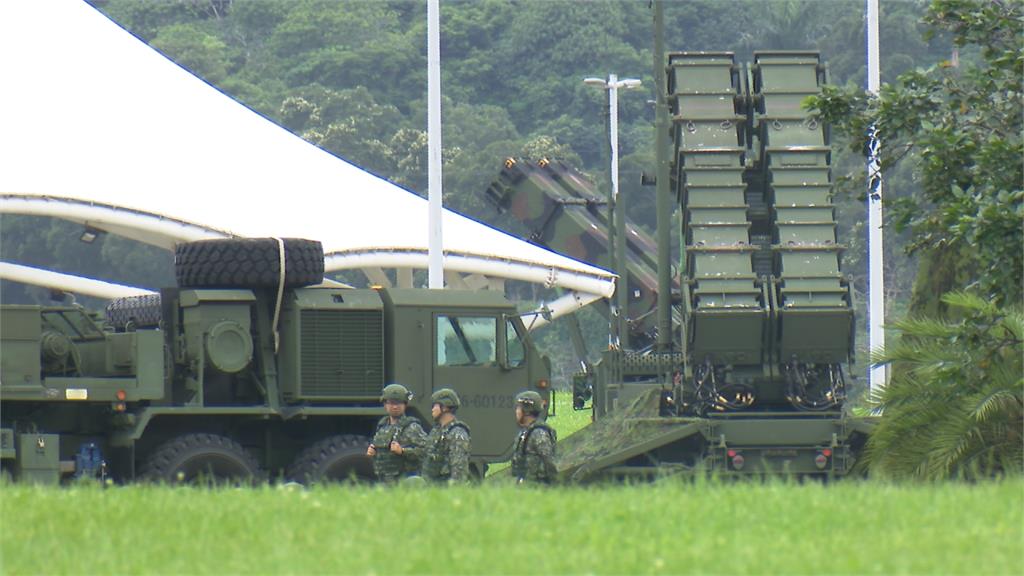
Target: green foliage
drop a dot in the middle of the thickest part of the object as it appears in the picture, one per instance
(671, 528)
(202, 53)
(147, 19)
(961, 126)
(955, 404)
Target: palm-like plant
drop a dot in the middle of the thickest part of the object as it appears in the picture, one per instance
(955, 404)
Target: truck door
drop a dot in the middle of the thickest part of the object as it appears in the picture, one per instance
(467, 350)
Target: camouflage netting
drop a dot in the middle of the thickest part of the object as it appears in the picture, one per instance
(638, 422)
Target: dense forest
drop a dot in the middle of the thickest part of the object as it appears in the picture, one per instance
(350, 76)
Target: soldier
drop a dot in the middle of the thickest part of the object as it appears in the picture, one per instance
(448, 446)
(398, 443)
(533, 455)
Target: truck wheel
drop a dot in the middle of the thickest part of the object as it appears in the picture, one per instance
(201, 459)
(339, 458)
(248, 263)
(138, 311)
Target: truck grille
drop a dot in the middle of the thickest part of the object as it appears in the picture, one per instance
(342, 353)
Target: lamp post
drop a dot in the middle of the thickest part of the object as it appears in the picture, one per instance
(878, 374)
(617, 213)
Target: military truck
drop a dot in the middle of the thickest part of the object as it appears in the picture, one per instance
(250, 369)
(754, 333)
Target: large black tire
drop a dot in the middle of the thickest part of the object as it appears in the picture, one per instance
(248, 263)
(339, 458)
(201, 459)
(138, 311)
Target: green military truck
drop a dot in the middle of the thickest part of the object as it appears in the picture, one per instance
(244, 373)
(742, 368)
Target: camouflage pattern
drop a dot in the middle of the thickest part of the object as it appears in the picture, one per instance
(530, 401)
(396, 393)
(447, 453)
(562, 210)
(407, 431)
(445, 397)
(533, 455)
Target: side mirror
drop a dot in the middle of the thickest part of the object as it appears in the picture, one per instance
(582, 389)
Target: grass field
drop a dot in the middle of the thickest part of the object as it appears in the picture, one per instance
(566, 420)
(669, 528)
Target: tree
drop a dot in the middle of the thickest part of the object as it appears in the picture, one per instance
(200, 52)
(956, 406)
(960, 124)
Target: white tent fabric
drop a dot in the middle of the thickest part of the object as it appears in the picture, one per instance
(96, 127)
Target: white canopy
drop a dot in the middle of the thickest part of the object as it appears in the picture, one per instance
(96, 127)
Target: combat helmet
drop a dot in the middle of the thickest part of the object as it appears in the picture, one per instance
(396, 392)
(531, 402)
(445, 397)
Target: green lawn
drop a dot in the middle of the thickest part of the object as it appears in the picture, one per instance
(669, 527)
(664, 528)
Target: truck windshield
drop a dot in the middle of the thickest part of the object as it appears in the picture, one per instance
(466, 340)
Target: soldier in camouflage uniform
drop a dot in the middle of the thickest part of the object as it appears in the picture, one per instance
(399, 441)
(533, 455)
(448, 446)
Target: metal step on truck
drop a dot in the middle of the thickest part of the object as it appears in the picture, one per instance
(250, 369)
(749, 374)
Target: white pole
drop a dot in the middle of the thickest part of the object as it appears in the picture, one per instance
(618, 314)
(613, 110)
(876, 277)
(435, 255)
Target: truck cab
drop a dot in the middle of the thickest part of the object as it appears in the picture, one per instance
(473, 343)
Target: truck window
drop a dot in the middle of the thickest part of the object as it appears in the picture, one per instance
(516, 350)
(466, 340)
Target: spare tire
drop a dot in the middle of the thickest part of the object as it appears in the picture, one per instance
(248, 263)
(139, 311)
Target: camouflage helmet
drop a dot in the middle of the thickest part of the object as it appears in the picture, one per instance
(445, 397)
(396, 392)
(531, 402)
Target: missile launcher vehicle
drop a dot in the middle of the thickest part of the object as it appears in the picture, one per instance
(747, 372)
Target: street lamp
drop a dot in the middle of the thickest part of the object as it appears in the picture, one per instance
(617, 213)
